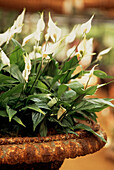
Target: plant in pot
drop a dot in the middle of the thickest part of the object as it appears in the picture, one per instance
(46, 114)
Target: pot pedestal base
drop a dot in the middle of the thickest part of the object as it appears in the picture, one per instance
(48, 153)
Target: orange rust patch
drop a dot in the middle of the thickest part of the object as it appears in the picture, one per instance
(48, 149)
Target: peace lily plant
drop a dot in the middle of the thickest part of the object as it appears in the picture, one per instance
(37, 92)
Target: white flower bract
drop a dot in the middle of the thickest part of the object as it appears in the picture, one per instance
(5, 60)
(53, 31)
(85, 28)
(26, 71)
(16, 28)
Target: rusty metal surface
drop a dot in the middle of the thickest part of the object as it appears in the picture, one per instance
(48, 149)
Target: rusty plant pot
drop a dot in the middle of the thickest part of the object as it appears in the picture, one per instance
(47, 152)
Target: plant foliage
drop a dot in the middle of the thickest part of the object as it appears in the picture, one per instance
(39, 93)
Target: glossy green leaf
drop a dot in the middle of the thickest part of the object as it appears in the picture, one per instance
(62, 88)
(43, 129)
(34, 107)
(18, 120)
(102, 74)
(3, 113)
(16, 43)
(15, 72)
(94, 104)
(14, 92)
(53, 120)
(71, 132)
(70, 64)
(17, 58)
(66, 77)
(77, 87)
(91, 90)
(69, 96)
(10, 112)
(36, 119)
(43, 88)
(87, 128)
(6, 79)
(40, 103)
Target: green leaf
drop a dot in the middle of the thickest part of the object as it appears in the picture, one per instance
(17, 58)
(40, 103)
(68, 121)
(69, 96)
(77, 87)
(15, 72)
(14, 92)
(18, 120)
(102, 74)
(66, 71)
(6, 79)
(52, 102)
(57, 77)
(41, 96)
(66, 76)
(36, 119)
(43, 88)
(91, 90)
(51, 68)
(52, 119)
(87, 128)
(10, 112)
(16, 43)
(71, 132)
(34, 107)
(79, 115)
(70, 64)
(3, 113)
(62, 88)
(93, 104)
(43, 129)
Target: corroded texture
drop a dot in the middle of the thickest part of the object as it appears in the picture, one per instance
(48, 149)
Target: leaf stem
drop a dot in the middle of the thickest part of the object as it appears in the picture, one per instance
(37, 76)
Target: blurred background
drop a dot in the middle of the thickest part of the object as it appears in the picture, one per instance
(67, 13)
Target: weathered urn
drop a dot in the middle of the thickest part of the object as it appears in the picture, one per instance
(48, 152)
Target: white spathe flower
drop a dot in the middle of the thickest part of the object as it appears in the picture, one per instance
(53, 48)
(99, 57)
(4, 37)
(53, 31)
(18, 23)
(34, 55)
(26, 39)
(71, 52)
(26, 71)
(40, 28)
(71, 37)
(85, 28)
(86, 46)
(40, 51)
(60, 112)
(91, 71)
(37, 33)
(5, 60)
(90, 75)
(16, 28)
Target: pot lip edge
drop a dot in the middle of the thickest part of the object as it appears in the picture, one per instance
(57, 137)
